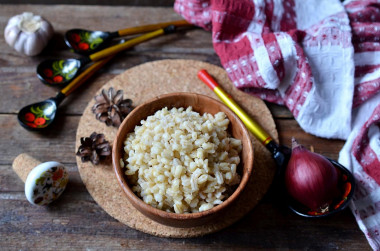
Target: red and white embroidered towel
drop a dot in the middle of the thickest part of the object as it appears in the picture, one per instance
(321, 59)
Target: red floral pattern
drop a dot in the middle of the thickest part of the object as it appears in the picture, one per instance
(29, 117)
(84, 41)
(58, 79)
(58, 72)
(36, 118)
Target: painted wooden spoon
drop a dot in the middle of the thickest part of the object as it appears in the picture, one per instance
(59, 72)
(87, 42)
(40, 115)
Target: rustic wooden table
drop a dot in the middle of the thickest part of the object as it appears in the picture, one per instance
(75, 221)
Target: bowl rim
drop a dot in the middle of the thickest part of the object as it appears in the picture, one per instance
(138, 202)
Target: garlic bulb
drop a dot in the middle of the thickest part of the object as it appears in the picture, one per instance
(27, 33)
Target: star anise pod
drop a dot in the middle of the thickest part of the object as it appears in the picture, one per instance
(111, 108)
(94, 148)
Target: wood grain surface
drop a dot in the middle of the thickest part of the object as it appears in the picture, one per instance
(75, 221)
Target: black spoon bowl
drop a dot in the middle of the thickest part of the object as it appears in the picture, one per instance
(87, 42)
(60, 72)
(39, 115)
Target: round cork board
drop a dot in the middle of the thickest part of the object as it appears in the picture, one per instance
(147, 81)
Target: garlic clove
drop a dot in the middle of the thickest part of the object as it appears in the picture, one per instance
(13, 21)
(32, 45)
(11, 35)
(47, 31)
(19, 44)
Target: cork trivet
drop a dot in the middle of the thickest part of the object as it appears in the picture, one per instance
(147, 81)
(23, 164)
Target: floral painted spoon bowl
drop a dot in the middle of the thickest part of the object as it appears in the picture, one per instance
(59, 72)
(87, 42)
(40, 115)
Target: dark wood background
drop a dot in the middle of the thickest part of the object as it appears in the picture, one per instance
(151, 3)
(75, 221)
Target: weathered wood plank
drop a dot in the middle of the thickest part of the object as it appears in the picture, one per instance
(10, 182)
(58, 141)
(178, 45)
(71, 220)
(20, 84)
(290, 128)
(75, 211)
(272, 225)
(103, 18)
(186, 41)
(279, 111)
(21, 89)
(107, 18)
(151, 3)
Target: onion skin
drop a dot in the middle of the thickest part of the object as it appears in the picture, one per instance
(311, 179)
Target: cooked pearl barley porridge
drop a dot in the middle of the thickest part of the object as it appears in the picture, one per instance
(180, 161)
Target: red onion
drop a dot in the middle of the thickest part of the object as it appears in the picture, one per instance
(311, 179)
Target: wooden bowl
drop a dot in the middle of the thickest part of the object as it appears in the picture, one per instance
(200, 104)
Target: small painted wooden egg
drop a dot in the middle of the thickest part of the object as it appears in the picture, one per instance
(46, 182)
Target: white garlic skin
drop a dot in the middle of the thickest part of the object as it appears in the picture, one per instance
(28, 34)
